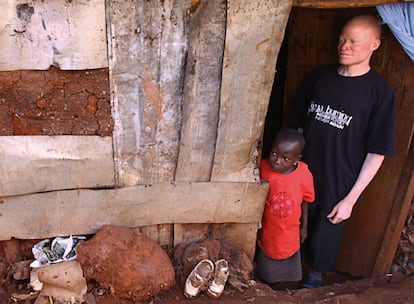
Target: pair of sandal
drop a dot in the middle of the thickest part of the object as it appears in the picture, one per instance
(207, 276)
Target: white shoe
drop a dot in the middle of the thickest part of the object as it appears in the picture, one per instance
(221, 275)
(198, 279)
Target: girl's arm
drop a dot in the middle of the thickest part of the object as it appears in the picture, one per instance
(304, 222)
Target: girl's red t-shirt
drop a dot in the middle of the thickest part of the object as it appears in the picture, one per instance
(280, 233)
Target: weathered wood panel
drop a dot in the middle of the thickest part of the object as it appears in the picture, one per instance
(85, 211)
(341, 3)
(147, 42)
(312, 40)
(315, 32)
(202, 82)
(254, 34)
(201, 103)
(148, 45)
(37, 34)
(402, 203)
(31, 164)
(163, 234)
(188, 233)
(240, 235)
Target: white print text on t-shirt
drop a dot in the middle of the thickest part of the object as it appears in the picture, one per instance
(329, 115)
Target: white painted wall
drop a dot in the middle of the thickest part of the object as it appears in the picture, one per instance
(37, 34)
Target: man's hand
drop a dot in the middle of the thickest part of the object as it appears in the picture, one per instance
(341, 212)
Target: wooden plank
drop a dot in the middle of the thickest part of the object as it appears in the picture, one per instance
(227, 232)
(402, 203)
(247, 243)
(33, 164)
(12, 251)
(201, 103)
(202, 79)
(85, 211)
(403, 69)
(147, 42)
(254, 34)
(38, 34)
(189, 233)
(162, 234)
(332, 4)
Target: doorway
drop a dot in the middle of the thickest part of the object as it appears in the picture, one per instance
(310, 41)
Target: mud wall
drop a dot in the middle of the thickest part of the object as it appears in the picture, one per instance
(55, 102)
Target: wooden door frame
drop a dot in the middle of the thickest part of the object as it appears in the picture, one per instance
(401, 206)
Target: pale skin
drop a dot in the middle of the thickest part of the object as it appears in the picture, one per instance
(360, 37)
(343, 209)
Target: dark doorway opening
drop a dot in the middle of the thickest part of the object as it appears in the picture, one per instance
(274, 117)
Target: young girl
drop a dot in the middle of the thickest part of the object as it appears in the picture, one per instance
(284, 222)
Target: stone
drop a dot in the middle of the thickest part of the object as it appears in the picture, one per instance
(127, 262)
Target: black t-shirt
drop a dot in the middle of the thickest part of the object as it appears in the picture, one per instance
(343, 119)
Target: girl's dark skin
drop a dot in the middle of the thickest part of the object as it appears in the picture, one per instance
(284, 156)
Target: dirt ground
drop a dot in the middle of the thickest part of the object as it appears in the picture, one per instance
(387, 290)
(396, 289)
(340, 288)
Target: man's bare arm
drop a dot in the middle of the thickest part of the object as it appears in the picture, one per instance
(343, 209)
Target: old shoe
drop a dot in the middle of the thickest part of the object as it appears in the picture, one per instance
(221, 274)
(198, 279)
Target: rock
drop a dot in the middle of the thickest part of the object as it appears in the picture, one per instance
(128, 263)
